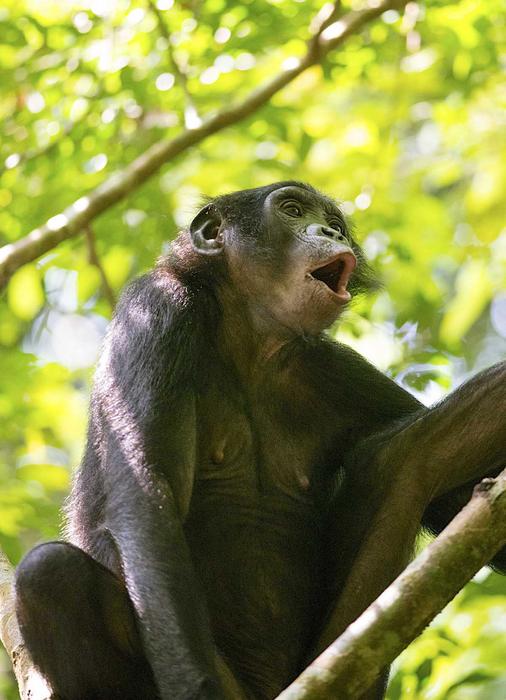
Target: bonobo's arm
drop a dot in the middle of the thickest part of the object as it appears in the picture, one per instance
(462, 438)
(144, 398)
(398, 468)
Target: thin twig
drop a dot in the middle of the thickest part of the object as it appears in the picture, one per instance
(95, 260)
(191, 113)
(328, 14)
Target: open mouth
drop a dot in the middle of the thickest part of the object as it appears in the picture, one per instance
(336, 274)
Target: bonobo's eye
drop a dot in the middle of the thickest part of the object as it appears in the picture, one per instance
(338, 227)
(291, 208)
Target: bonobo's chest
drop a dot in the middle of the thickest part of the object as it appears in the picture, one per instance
(267, 464)
(274, 435)
(270, 439)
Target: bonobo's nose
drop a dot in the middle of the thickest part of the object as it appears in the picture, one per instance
(321, 230)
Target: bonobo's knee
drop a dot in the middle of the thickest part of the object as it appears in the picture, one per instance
(47, 561)
(79, 626)
(58, 581)
(43, 571)
(47, 572)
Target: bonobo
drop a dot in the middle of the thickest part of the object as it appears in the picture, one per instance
(249, 486)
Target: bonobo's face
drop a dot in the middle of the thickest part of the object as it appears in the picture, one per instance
(288, 252)
(313, 260)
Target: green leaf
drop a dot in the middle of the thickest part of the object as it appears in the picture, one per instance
(24, 292)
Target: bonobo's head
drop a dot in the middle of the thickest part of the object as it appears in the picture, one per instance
(286, 249)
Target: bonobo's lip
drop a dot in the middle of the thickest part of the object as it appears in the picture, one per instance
(335, 274)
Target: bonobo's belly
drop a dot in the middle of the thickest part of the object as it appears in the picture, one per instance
(260, 560)
(255, 531)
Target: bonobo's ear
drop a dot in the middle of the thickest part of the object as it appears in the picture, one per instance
(205, 231)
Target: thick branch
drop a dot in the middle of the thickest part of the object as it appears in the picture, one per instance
(351, 664)
(74, 219)
(31, 684)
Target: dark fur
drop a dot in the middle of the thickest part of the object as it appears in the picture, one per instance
(231, 500)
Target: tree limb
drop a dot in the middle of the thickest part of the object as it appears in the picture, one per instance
(74, 218)
(349, 666)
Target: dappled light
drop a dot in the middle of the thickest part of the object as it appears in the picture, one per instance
(72, 340)
(401, 121)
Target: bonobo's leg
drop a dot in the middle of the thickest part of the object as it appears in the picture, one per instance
(79, 626)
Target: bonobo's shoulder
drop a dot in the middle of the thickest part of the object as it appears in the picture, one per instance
(162, 296)
(337, 369)
(157, 331)
(322, 346)
(158, 286)
(324, 356)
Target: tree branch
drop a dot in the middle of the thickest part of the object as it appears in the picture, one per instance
(349, 666)
(74, 219)
(328, 14)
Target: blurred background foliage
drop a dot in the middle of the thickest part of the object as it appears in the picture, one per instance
(405, 125)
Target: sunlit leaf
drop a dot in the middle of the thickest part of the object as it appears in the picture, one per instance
(52, 477)
(473, 290)
(24, 292)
